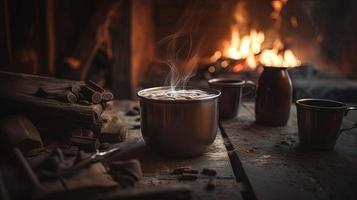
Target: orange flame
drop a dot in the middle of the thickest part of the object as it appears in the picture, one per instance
(248, 48)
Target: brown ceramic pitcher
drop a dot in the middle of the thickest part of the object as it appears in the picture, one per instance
(274, 97)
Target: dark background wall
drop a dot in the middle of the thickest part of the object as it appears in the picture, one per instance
(37, 36)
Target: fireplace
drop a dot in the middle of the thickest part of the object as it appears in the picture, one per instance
(127, 45)
(236, 38)
(215, 98)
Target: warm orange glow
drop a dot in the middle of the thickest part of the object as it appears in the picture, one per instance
(294, 22)
(217, 55)
(271, 57)
(248, 47)
(244, 48)
(211, 69)
(238, 68)
(224, 64)
(277, 57)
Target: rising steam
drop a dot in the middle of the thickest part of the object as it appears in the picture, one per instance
(182, 53)
(182, 68)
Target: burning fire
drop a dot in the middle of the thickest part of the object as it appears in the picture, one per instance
(248, 48)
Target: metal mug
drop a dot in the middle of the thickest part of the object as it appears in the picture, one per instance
(231, 97)
(319, 122)
(180, 128)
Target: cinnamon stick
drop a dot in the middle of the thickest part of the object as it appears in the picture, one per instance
(106, 95)
(61, 95)
(89, 94)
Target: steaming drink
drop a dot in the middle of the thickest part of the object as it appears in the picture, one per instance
(180, 122)
(178, 94)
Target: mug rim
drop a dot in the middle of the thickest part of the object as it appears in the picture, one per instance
(301, 103)
(220, 81)
(215, 94)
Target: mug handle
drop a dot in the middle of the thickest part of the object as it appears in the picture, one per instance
(354, 125)
(251, 85)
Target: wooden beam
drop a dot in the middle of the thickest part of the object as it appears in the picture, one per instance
(120, 30)
(5, 32)
(51, 37)
(142, 39)
(90, 41)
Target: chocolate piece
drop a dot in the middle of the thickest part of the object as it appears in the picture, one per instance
(211, 184)
(180, 170)
(188, 177)
(190, 171)
(136, 108)
(136, 126)
(209, 172)
(132, 112)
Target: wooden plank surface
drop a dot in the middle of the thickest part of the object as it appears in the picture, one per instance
(278, 169)
(157, 169)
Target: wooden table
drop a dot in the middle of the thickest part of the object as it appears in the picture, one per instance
(254, 162)
(156, 169)
(278, 169)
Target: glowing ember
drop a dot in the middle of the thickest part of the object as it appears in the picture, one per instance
(238, 68)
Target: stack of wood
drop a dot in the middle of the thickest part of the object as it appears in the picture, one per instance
(58, 104)
(83, 93)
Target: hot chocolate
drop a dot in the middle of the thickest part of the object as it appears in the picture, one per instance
(181, 122)
(178, 94)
